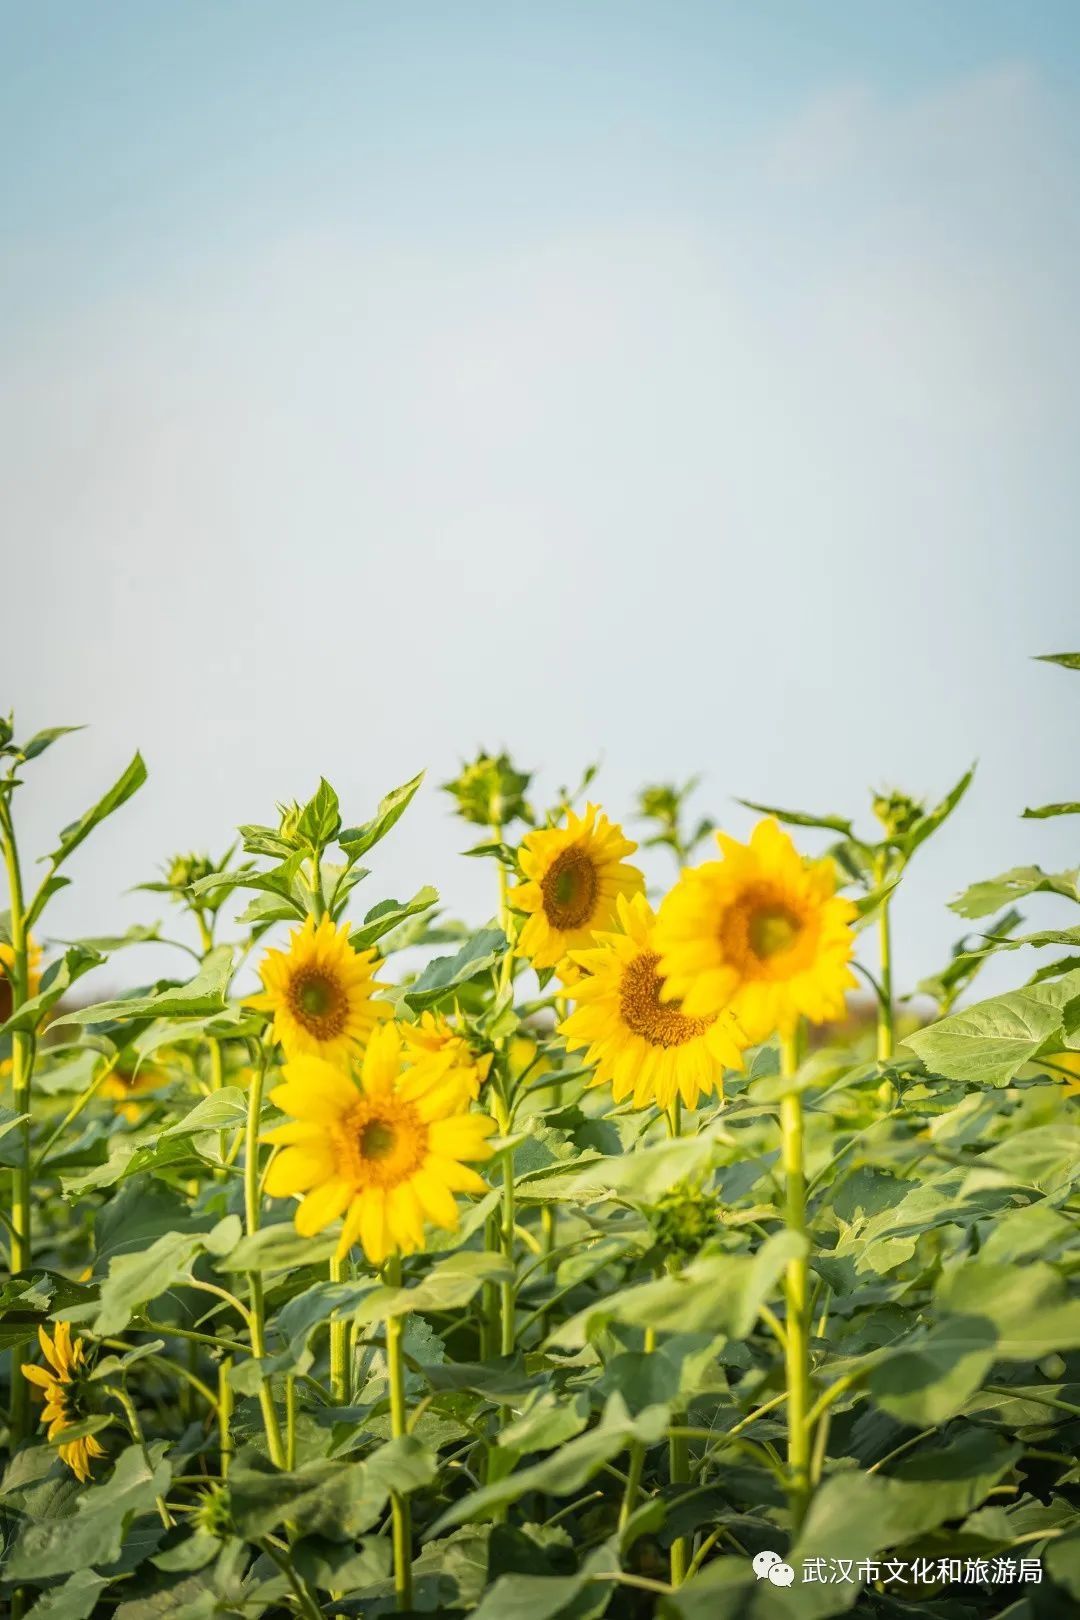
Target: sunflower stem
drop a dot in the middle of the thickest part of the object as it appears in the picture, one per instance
(22, 1067)
(637, 1458)
(255, 1285)
(796, 1289)
(399, 1427)
(339, 1340)
(678, 1445)
(128, 1407)
(507, 1288)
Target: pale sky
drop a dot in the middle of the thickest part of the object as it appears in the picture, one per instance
(690, 384)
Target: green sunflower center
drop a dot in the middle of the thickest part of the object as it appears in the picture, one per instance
(569, 888)
(377, 1139)
(771, 930)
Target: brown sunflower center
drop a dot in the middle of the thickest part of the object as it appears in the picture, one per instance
(318, 1003)
(569, 888)
(383, 1143)
(771, 930)
(661, 1023)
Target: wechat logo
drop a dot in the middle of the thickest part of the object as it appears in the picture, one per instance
(770, 1566)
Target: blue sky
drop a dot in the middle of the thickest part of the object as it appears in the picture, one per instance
(689, 384)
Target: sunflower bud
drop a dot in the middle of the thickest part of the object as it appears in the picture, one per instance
(214, 1513)
(184, 870)
(684, 1220)
(897, 812)
(490, 791)
(7, 729)
(289, 822)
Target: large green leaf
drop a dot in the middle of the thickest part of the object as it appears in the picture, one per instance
(981, 899)
(136, 1279)
(446, 973)
(201, 997)
(989, 1043)
(94, 1535)
(388, 914)
(333, 1499)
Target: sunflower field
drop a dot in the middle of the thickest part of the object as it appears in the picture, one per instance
(614, 1254)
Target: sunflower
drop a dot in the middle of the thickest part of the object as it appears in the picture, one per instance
(574, 876)
(385, 1154)
(644, 1044)
(61, 1382)
(124, 1085)
(321, 993)
(434, 1036)
(760, 931)
(33, 974)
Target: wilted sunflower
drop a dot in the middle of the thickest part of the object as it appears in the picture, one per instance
(646, 1046)
(67, 1368)
(434, 1036)
(321, 993)
(386, 1154)
(760, 931)
(574, 876)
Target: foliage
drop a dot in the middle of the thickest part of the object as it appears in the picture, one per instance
(600, 1392)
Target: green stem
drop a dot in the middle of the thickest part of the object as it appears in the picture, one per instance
(22, 1067)
(637, 1457)
(339, 1341)
(132, 1416)
(508, 1287)
(678, 1445)
(255, 1284)
(399, 1503)
(796, 1291)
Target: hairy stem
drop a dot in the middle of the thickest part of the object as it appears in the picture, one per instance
(399, 1503)
(796, 1291)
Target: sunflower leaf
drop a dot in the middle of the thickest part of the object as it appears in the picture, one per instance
(446, 973)
(356, 841)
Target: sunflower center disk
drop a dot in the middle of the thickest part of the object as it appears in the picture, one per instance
(319, 1003)
(569, 889)
(771, 931)
(385, 1143)
(661, 1023)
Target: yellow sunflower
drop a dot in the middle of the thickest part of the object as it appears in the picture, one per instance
(574, 876)
(321, 993)
(644, 1044)
(760, 931)
(433, 1036)
(386, 1154)
(33, 974)
(124, 1085)
(60, 1380)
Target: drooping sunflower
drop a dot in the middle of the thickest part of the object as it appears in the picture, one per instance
(321, 993)
(61, 1381)
(433, 1036)
(387, 1153)
(646, 1046)
(574, 876)
(760, 931)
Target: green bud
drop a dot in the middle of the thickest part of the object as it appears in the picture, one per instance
(181, 871)
(897, 813)
(684, 1220)
(490, 791)
(214, 1513)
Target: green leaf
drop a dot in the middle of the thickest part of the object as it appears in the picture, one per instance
(278, 1248)
(388, 914)
(134, 1280)
(988, 1044)
(122, 789)
(1065, 660)
(446, 973)
(320, 819)
(57, 981)
(983, 898)
(76, 1598)
(450, 1284)
(542, 1597)
(1070, 807)
(95, 1534)
(799, 818)
(202, 996)
(356, 841)
(223, 1110)
(325, 1498)
(567, 1469)
(909, 842)
(45, 739)
(717, 1294)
